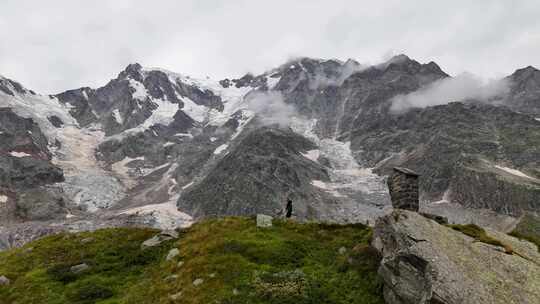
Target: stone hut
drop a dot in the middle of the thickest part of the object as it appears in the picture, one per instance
(403, 187)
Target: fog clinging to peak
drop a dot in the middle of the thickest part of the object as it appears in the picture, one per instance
(463, 87)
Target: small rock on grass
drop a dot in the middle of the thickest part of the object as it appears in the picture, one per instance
(157, 239)
(172, 254)
(4, 281)
(79, 268)
(264, 221)
(198, 282)
(172, 277)
(176, 296)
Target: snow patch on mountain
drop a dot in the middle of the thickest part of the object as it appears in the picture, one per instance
(19, 154)
(152, 170)
(39, 107)
(139, 91)
(162, 115)
(196, 112)
(220, 149)
(117, 116)
(232, 98)
(312, 155)
(514, 172)
(187, 186)
(189, 135)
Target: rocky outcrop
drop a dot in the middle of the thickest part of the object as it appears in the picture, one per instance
(425, 262)
(25, 171)
(524, 95)
(257, 176)
(481, 184)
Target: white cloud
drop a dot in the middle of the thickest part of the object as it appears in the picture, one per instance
(460, 88)
(51, 46)
(271, 108)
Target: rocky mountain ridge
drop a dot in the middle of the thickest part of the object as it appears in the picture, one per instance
(152, 147)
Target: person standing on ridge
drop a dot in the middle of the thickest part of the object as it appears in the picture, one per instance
(288, 208)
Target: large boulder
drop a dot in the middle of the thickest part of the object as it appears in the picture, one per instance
(425, 262)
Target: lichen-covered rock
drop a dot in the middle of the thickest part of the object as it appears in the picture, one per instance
(173, 253)
(425, 262)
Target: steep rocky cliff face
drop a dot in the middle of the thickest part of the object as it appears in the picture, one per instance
(25, 171)
(524, 91)
(464, 150)
(258, 175)
(425, 262)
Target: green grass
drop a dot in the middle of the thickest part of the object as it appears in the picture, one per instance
(40, 271)
(528, 229)
(238, 263)
(478, 233)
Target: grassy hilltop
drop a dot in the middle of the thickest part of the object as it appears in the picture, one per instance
(226, 260)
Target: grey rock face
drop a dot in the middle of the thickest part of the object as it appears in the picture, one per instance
(429, 142)
(40, 204)
(403, 186)
(256, 177)
(480, 185)
(55, 121)
(11, 87)
(21, 135)
(28, 172)
(78, 99)
(4, 281)
(25, 170)
(424, 262)
(524, 95)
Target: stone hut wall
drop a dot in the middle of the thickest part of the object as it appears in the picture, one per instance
(403, 187)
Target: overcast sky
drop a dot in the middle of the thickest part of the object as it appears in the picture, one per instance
(51, 46)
